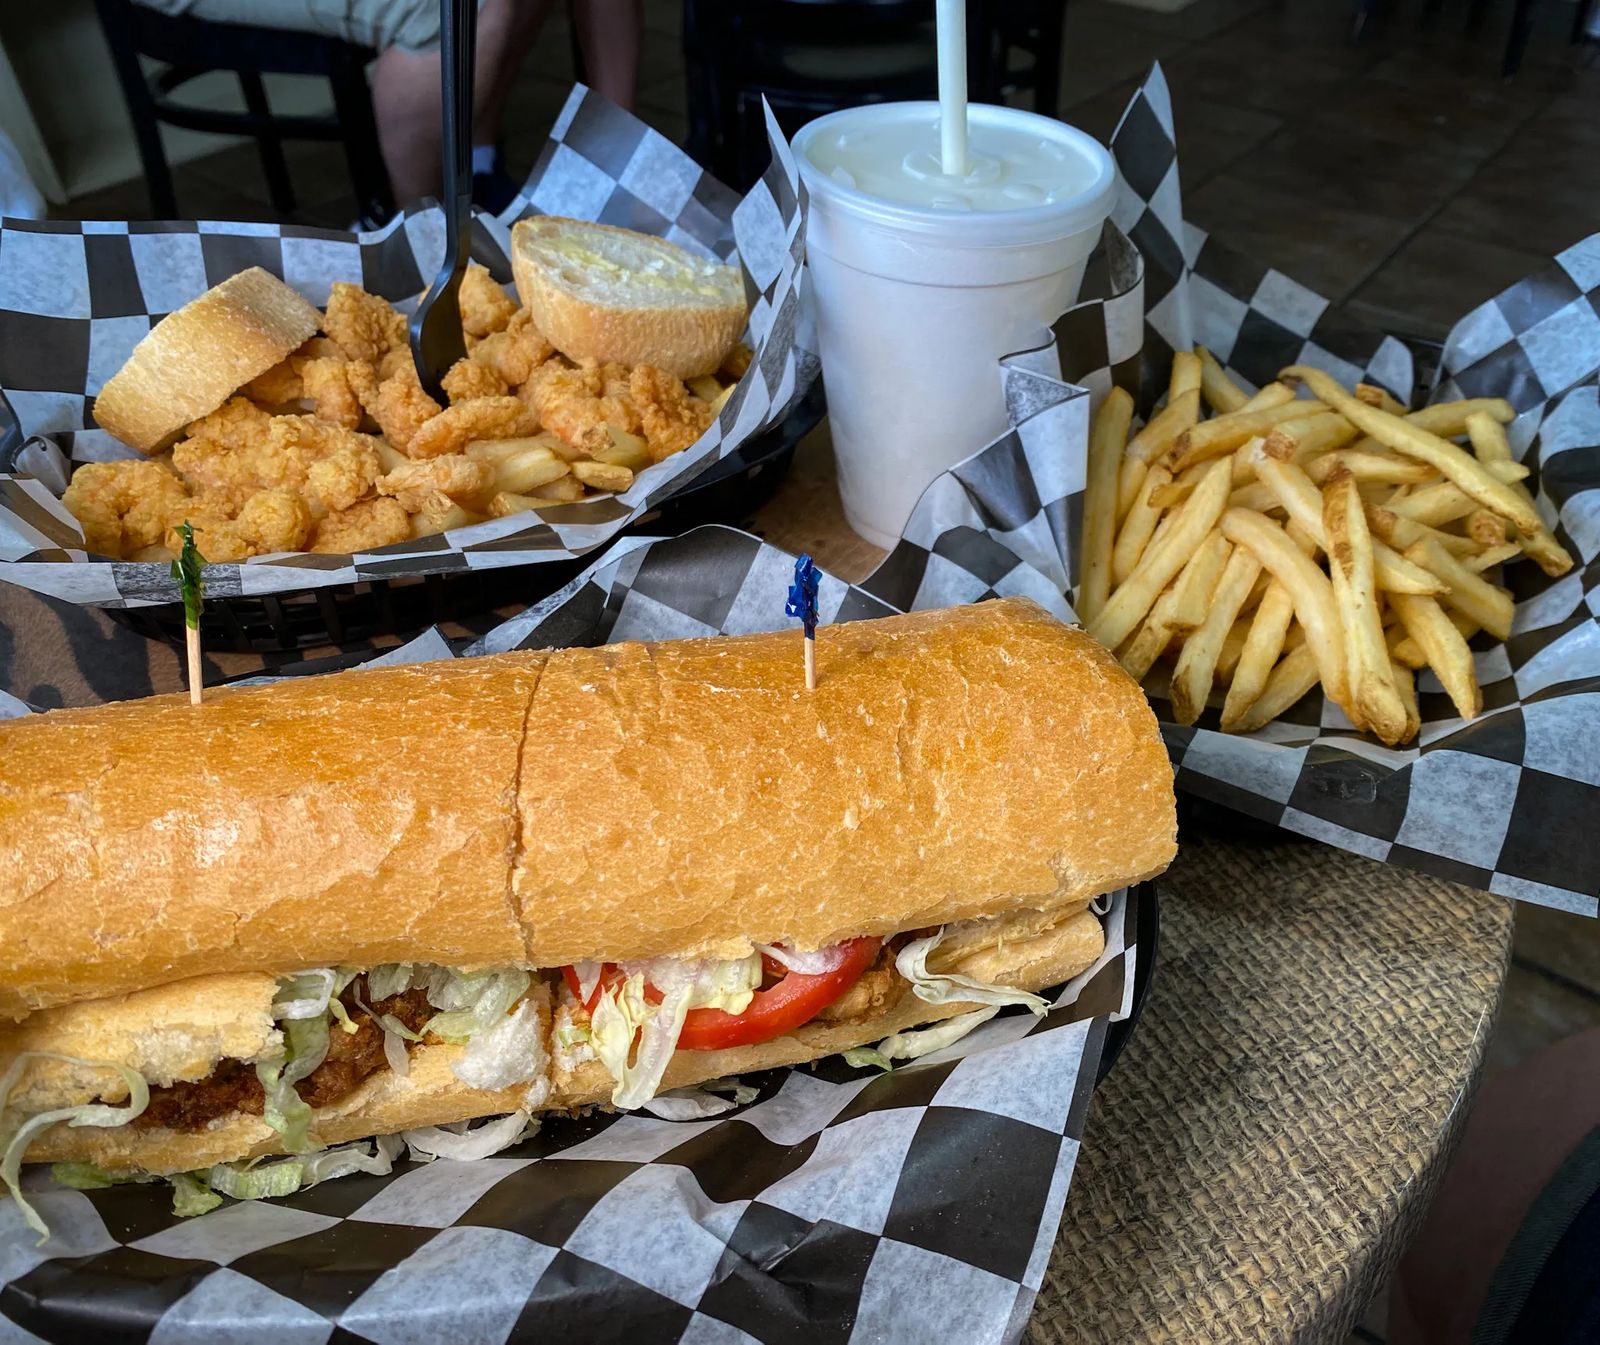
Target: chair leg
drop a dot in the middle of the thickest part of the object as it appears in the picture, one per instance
(1047, 60)
(1580, 21)
(279, 188)
(1364, 20)
(352, 102)
(141, 110)
(1517, 42)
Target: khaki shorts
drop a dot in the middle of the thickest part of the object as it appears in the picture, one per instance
(411, 25)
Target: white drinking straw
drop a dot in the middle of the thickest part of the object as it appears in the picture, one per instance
(952, 29)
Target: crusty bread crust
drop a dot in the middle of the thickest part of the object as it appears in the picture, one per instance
(353, 819)
(193, 360)
(630, 801)
(586, 315)
(685, 798)
(432, 1095)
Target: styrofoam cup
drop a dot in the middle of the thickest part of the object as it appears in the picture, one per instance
(916, 305)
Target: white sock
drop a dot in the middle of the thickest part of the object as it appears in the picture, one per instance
(483, 158)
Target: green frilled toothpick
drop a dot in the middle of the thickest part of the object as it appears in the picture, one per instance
(187, 570)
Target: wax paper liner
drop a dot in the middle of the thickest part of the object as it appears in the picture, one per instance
(824, 1211)
(76, 298)
(1506, 802)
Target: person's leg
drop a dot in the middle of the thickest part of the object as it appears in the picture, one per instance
(405, 99)
(406, 94)
(506, 32)
(1523, 1125)
(609, 32)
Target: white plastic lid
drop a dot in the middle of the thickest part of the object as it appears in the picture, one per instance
(1086, 209)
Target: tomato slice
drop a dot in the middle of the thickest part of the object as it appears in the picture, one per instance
(792, 1002)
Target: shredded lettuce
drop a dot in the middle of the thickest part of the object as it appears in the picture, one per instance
(89, 1177)
(468, 1144)
(742, 1092)
(950, 988)
(818, 963)
(305, 1047)
(96, 1114)
(635, 1039)
(688, 1104)
(387, 981)
(702, 1102)
(285, 1176)
(569, 1035)
(191, 1196)
(470, 1002)
(918, 1042)
(711, 983)
(863, 1057)
(305, 995)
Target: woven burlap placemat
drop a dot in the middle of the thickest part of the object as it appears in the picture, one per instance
(1256, 1162)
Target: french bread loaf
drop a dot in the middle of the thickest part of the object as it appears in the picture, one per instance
(601, 293)
(194, 359)
(680, 799)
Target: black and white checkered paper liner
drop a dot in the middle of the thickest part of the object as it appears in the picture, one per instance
(75, 299)
(1506, 802)
(821, 1212)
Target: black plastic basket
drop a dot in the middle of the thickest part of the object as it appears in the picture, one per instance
(359, 613)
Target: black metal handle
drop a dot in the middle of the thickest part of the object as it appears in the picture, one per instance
(458, 20)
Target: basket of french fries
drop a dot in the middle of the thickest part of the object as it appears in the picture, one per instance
(1359, 592)
(1335, 539)
(257, 384)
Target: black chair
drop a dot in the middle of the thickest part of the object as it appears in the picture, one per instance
(1368, 13)
(188, 47)
(810, 57)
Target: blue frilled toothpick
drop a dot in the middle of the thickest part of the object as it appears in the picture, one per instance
(803, 604)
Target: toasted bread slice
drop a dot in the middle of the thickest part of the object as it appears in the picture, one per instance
(195, 359)
(602, 293)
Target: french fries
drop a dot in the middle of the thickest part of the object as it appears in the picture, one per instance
(1163, 559)
(1444, 648)
(1197, 664)
(1489, 442)
(1106, 437)
(1284, 542)
(1308, 587)
(1376, 703)
(1262, 646)
(1294, 491)
(1408, 437)
(1219, 391)
(1469, 592)
(603, 475)
(1338, 539)
(1213, 438)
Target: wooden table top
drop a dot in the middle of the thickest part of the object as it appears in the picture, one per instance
(1272, 1134)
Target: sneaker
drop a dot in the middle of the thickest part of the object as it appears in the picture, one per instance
(494, 190)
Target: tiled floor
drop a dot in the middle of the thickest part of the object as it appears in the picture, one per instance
(1403, 178)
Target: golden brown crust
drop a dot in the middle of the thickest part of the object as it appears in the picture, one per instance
(358, 818)
(673, 800)
(193, 360)
(688, 797)
(686, 336)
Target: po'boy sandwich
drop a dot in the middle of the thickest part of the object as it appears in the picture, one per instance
(305, 919)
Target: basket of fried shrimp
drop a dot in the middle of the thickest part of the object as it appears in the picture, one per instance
(1308, 534)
